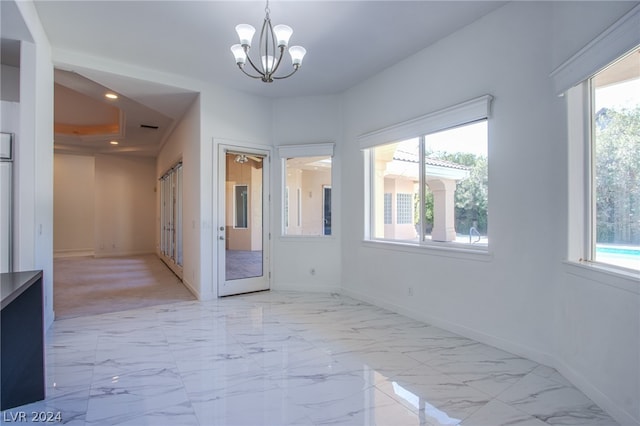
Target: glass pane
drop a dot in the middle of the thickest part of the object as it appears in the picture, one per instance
(309, 178)
(286, 208)
(244, 225)
(178, 221)
(616, 163)
(326, 210)
(171, 214)
(456, 178)
(162, 220)
(241, 205)
(169, 207)
(395, 182)
(166, 190)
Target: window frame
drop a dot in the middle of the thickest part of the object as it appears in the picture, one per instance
(300, 151)
(581, 181)
(572, 82)
(469, 112)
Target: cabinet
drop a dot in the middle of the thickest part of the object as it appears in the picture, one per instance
(22, 339)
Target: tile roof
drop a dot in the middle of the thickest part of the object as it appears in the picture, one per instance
(412, 158)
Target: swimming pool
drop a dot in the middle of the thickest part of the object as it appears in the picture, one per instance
(625, 256)
(632, 251)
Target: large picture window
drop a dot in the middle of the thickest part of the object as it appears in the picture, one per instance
(615, 163)
(438, 179)
(601, 85)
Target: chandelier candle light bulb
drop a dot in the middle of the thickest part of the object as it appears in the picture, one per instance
(272, 45)
(268, 63)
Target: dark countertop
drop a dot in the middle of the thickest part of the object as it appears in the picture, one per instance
(13, 284)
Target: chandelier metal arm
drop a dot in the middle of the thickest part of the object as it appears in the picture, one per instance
(262, 74)
(266, 35)
(246, 73)
(295, 68)
(277, 64)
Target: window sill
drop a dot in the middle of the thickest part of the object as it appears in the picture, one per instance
(623, 279)
(307, 238)
(453, 251)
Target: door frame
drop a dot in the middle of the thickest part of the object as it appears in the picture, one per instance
(241, 286)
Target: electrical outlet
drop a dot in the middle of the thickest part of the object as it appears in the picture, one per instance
(312, 271)
(409, 291)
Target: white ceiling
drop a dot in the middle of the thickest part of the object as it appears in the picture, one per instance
(346, 41)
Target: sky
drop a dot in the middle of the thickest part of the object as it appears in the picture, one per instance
(621, 95)
(470, 138)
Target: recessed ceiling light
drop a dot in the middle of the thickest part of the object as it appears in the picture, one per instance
(114, 142)
(111, 96)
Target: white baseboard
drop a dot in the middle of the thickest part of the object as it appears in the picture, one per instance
(498, 342)
(124, 253)
(73, 253)
(192, 289)
(578, 380)
(603, 401)
(317, 288)
(177, 269)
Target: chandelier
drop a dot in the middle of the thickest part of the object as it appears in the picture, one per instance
(273, 43)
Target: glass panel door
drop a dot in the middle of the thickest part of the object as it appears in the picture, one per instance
(243, 231)
(171, 218)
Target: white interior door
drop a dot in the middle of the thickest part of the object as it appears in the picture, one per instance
(243, 231)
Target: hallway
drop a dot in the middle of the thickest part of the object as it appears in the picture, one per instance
(90, 286)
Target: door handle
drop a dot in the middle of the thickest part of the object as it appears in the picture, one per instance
(221, 238)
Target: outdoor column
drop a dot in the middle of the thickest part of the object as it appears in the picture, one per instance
(378, 184)
(383, 155)
(443, 209)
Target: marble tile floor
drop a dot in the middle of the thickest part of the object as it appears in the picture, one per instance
(285, 358)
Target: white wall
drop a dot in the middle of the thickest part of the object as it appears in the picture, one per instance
(230, 118)
(184, 144)
(598, 338)
(104, 205)
(33, 233)
(125, 205)
(9, 83)
(302, 121)
(9, 117)
(73, 205)
(519, 297)
(505, 55)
